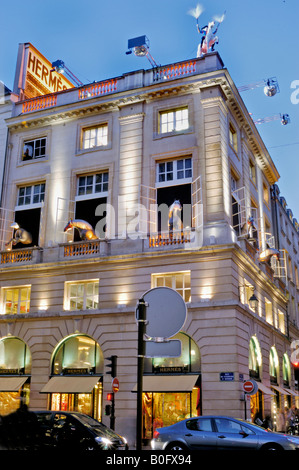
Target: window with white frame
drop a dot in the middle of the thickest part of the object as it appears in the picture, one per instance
(35, 148)
(180, 282)
(174, 120)
(93, 184)
(16, 300)
(96, 136)
(28, 195)
(81, 295)
(174, 171)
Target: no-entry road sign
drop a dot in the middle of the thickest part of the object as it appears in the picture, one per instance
(115, 384)
(250, 387)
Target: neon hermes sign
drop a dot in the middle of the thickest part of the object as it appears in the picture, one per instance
(35, 75)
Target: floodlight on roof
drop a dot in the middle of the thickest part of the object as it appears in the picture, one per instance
(140, 47)
(284, 119)
(60, 67)
(270, 85)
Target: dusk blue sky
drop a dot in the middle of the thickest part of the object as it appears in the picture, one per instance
(258, 40)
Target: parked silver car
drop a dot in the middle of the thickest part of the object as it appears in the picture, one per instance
(220, 433)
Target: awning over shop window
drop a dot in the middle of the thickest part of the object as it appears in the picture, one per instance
(70, 385)
(265, 389)
(291, 392)
(280, 390)
(164, 383)
(11, 384)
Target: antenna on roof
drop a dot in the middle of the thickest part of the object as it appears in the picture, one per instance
(140, 47)
(270, 85)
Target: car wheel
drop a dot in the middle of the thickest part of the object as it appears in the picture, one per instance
(176, 447)
(272, 447)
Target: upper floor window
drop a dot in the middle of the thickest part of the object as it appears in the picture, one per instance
(16, 300)
(174, 171)
(252, 171)
(82, 295)
(174, 120)
(31, 194)
(93, 184)
(96, 136)
(268, 311)
(181, 282)
(266, 193)
(34, 149)
(233, 138)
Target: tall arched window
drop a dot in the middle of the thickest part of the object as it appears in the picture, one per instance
(286, 370)
(77, 352)
(255, 358)
(273, 366)
(188, 361)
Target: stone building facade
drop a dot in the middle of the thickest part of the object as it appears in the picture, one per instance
(116, 155)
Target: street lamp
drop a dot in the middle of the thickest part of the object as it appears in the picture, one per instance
(253, 302)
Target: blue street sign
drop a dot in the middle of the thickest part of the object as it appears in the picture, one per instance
(227, 376)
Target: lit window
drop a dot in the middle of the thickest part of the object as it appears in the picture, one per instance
(286, 370)
(266, 193)
(233, 139)
(16, 300)
(281, 321)
(247, 291)
(181, 282)
(92, 184)
(31, 194)
(252, 171)
(255, 358)
(273, 365)
(175, 170)
(269, 311)
(82, 295)
(34, 149)
(174, 120)
(95, 137)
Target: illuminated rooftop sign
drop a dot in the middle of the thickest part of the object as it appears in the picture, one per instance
(35, 75)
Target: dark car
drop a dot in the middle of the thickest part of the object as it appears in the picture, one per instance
(76, 431)
(220, 433)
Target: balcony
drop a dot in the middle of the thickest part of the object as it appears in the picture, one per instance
(166, 239)
(87, 249)
(30, 255)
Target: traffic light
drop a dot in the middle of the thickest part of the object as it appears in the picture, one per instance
(110, 407)
(112, 366)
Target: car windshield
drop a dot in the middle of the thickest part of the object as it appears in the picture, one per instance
(261, 428)
(96, 426)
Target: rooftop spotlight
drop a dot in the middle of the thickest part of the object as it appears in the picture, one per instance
(140, 47)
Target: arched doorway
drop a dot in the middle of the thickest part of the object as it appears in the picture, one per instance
(76, 376)
(15, 370)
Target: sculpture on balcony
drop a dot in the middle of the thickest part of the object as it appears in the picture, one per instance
(266, 255)
(20, 236)
(174, 216)
(209, 38)
(85, 230)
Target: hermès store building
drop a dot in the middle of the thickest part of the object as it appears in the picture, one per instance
(91, 173)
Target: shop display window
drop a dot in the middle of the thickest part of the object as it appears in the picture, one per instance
(165, 409)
